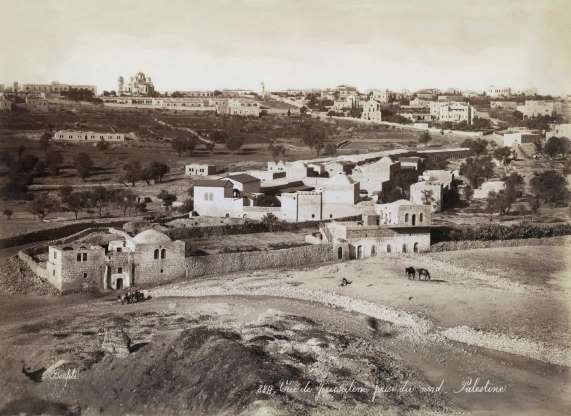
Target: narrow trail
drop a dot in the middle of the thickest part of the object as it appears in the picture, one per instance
(187, 129)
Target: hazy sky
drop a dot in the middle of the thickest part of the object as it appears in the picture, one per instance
(196, 44)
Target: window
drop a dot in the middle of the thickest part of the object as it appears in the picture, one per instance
(161, 270)
(415, 248)
(164, 253)
(388, 248)
(206, 196)
(119, 249)
(119, 270)
(84, 256)
(53, 272)
(340, 253)
(78, 256)
(312, 215)
(55, 254)
(156, 254)
(85, 275)
(420, 218)
(405, 217)
(373, 251)
(404, 248)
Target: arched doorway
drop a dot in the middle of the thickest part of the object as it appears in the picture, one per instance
(359, 252)
(373, 251)
(340, 253)
(415, 248)
(404, 248)
(413, 219)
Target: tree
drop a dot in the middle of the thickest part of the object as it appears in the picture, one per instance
(270, 221)
(277, 150)
(425, 138)
(503, 200)
(75, 202)
(234, 142)
(330, 149)
(158, 170)
(42, 205)
(45, 140)
(550, 187)
(99, 197)
(314, 138)
(167, 198)
(126, 200)
(468, 193)
(83, 165)
(477, 146)
(183, 145)
(477, 170)
(187, 206)
(7, 213)
(132, 172)
(54, 159)
(555, 146)
(503, 154)
(64, 192)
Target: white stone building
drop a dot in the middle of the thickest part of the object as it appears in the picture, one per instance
(200, 169)
(452, 112)
(511, 139)
(373, 177)
(87, 136)
(372, 110)
(534, 108)
(404, 212)
(138, 85)
(495, 92)
(427, 193)
(239, 107)
(559, 130)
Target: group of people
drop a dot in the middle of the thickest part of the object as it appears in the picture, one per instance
(133, 296)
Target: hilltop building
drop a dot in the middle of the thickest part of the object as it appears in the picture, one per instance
(372, 110)
(87, 136)
(138, 85)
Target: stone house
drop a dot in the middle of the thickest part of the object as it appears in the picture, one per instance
(404, 212)
(244, 183)
(373, 177)
(199, 169)
(149, 257)
(372, 110)
(367, 239)
(215, 198)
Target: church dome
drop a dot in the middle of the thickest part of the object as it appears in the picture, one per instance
(151, 237)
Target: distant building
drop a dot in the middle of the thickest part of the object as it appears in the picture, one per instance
(445, 177)
(534, 108)
(372, 110)
(239, 107)
(404, 212)
(446, 154)
(5, 104)
(215, 198)
(87, 136)
(494, 92)
(504, 105)
(244, 183)
(383, 96)
(515, 138)
(559, 130)
(376, 176)
(54, 88)
(452, 112)
(138, 85)
(37, 104)
(410, 162)
(199, 169)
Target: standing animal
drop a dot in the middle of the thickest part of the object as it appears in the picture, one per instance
(423, 273)
(410, 272)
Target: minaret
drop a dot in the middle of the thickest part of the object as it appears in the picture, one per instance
(120, 86)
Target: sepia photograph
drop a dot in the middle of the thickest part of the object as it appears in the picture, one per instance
(285, 208)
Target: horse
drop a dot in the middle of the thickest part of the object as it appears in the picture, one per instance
(423, 272)
(410, 272)
(345, 282)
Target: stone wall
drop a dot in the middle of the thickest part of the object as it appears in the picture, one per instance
(237, 262)
(36, 267)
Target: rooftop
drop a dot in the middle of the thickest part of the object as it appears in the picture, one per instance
(243, 178)
(151, 237)
(212, 183)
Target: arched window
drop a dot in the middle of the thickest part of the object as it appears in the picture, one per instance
(359, 252)
(415, 248)
(420, 218)
(340, 253)
(404, 248)
(78, 256)
(388, 248)
(406, 218)
(413, 219)
(373, 251)
(156, 255)
(164, 253)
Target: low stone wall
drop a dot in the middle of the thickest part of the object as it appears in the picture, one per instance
(36, 267)
(468, 245)
(197, 266)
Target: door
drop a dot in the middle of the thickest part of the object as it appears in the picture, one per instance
(359, 252)
(119, 284)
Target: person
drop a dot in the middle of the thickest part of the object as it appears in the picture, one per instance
(345, 282)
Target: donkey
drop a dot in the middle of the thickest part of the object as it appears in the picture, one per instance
(423, 273)
(410, 272)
